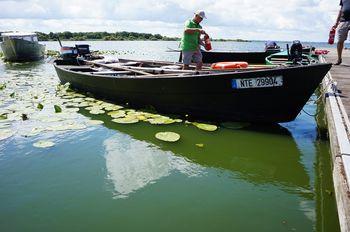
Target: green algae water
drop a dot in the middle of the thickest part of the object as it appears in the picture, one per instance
(120, 177)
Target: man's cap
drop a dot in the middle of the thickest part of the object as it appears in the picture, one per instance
(201, 14)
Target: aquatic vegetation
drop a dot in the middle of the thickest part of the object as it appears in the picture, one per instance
(97, 111)
(168, 136)
(206, 127)
(201, 145)
(2, 86)
(39, 105)
(44, 144)
(5, 133)
(53, 53)
(161, 120)
(58, 109)
(126, 120)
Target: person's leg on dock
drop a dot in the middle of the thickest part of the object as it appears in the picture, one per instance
(340, 46)
(343, 30)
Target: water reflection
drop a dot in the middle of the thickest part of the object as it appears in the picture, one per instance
(132, 164)
(258, 154)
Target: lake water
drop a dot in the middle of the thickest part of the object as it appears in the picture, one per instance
(117, 177)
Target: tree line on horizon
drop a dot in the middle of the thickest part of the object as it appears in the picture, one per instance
(117, 36)
(81, 36)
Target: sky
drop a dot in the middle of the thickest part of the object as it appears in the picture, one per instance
(282, 20)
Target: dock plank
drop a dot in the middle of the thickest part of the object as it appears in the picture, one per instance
(341, 74)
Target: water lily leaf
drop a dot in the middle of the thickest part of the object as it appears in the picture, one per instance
(201, 145)
(57, 109)
(78, 100)
(40, 106)
(82, 104)
(2, 86)
(113, 107)
(96, 111)
(141, 117)
(95, 107)
(160, 120)
(3, 116)
(127, 120)
(44, 143)
(89, 99)
(5, 133)
(206, 127)
(168, 136)
(117, 114)
(12, 95)
(24, 117)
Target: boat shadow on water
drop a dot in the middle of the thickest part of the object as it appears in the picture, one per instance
(258, 154)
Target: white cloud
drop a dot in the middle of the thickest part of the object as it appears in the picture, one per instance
(248, 19)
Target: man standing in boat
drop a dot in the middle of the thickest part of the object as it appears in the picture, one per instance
(191, 41)
(343, 24)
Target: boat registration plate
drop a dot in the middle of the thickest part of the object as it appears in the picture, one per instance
(259, 82)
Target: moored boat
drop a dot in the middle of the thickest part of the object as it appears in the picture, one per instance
(267, 95)
(17, 46)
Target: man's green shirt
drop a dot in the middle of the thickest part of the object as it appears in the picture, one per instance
(190, 42)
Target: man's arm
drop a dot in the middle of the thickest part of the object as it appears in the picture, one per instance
(193, 30)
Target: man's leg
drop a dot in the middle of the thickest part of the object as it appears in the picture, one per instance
(199, 65)
(343, 30)
(186, 59)
(198, 59)
(340, 46)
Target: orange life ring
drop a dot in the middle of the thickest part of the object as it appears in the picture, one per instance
(229, 65)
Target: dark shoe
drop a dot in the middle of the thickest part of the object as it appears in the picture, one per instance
(338, 62)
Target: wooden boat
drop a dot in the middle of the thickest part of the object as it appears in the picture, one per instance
(18, 46)
(265, 94)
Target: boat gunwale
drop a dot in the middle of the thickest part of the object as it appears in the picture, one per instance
(176, 76)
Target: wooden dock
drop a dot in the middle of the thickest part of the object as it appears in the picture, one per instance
(336, 85)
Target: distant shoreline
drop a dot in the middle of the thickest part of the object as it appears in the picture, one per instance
(117, 36)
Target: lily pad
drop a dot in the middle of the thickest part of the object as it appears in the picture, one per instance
(168, 136)
(201, 145)
(44, 143)
(127, 120)
(160, 120)
(40, 106)
(206, 127)
(96, 111)
(5, 133)
(117, 114)
(58, 109)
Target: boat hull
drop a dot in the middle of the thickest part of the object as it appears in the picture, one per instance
(20, 50)
(208, 97)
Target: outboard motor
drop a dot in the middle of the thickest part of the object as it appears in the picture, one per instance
(296, 52)
(83, 49)
(68, 53)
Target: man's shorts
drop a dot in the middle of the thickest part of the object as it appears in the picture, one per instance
(189, 57)
(343, 31)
